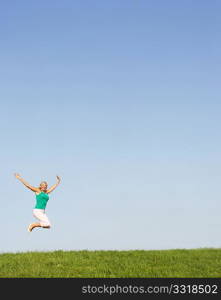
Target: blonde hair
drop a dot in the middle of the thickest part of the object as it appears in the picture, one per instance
(45, 182)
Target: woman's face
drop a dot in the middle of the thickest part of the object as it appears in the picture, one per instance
(43, 186)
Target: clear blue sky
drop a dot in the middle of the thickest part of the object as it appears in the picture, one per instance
(122, 100)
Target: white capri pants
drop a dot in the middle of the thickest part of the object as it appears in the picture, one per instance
(41, 216)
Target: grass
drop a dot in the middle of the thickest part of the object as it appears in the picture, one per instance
(180, 263)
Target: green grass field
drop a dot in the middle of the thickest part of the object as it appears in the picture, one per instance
(178, 263)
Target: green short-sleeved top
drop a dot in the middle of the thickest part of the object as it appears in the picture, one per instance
(41, 200)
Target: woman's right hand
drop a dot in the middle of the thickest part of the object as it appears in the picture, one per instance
(17, 176)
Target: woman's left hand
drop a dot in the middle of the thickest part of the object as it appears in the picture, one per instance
(58, 178)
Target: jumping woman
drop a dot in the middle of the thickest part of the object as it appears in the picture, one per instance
(42, 198)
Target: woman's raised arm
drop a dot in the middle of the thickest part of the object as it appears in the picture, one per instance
(32, 188)
(55, 185)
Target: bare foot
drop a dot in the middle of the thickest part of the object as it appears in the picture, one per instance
(31, 227)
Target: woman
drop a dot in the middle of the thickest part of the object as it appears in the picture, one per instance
(42, 198)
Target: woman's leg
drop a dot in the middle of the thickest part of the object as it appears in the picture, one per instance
(40, 215)
(33, 225)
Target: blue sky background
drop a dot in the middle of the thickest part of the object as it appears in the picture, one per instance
(122, 100)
